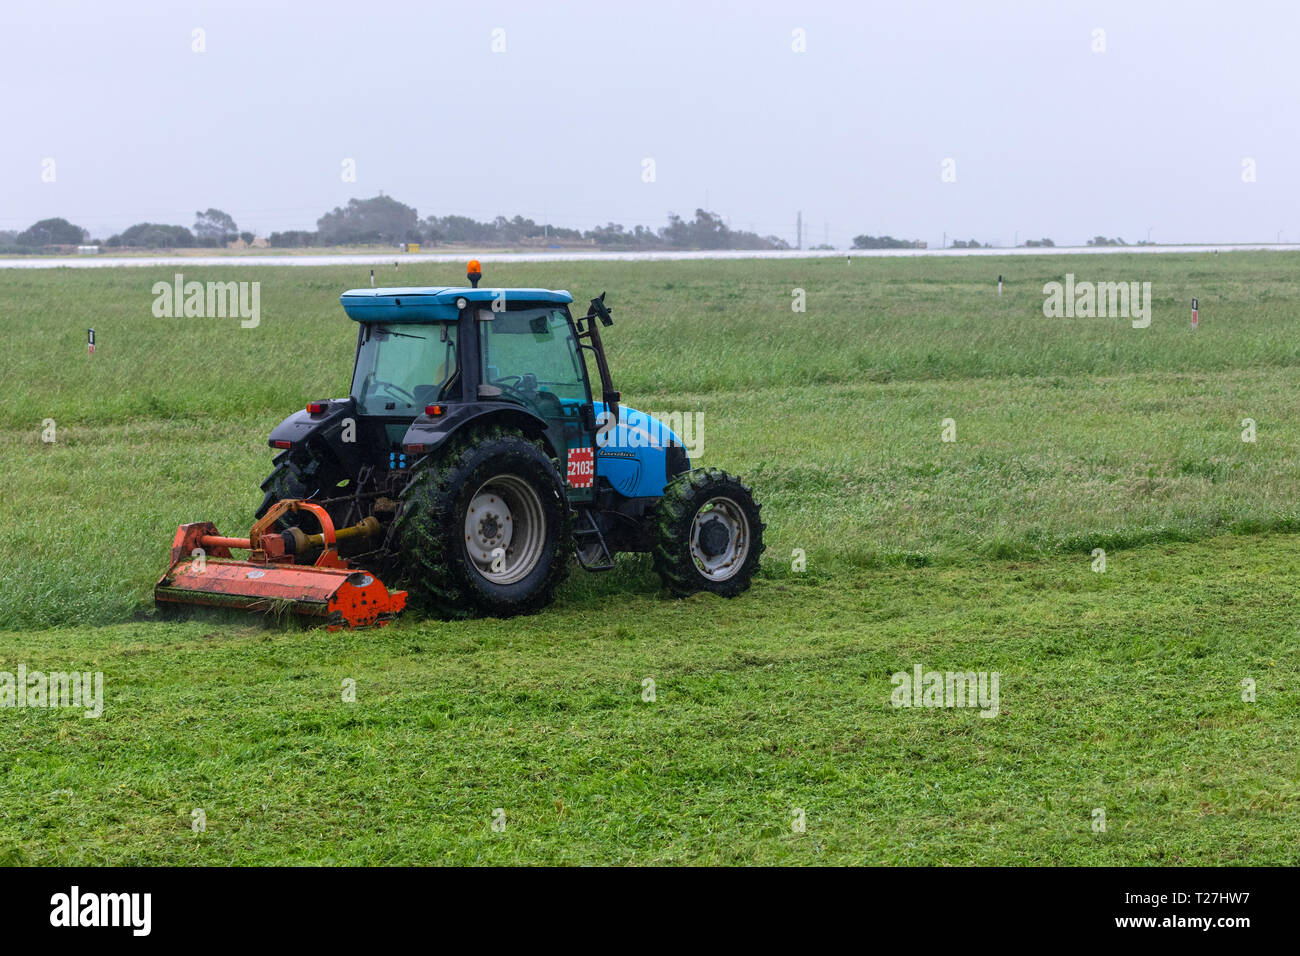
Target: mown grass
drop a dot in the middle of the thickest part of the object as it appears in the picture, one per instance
(1119, 690)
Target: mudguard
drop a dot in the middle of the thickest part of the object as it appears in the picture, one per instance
(427, 432)
(326, 427)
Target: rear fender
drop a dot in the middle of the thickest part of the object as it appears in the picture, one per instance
(313, 434)
(428, 432)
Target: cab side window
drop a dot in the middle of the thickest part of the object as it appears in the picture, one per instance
(531, 356)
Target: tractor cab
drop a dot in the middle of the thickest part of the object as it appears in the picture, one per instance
(431, 360)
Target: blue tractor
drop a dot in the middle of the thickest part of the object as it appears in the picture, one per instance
(473, 462)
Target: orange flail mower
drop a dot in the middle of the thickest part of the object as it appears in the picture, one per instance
(203, 571)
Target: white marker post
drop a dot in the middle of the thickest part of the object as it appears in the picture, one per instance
(999, 286)
(1196, 314)
(372, 278)
(90, 341)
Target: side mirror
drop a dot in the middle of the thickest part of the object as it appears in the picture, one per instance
(611, 404)
(601, 311)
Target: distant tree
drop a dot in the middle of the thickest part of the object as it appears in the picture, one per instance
(708, 230)
(381, 219)
(885, 242)
(456, 229)
(148, 235)
(8, 237)
(215, 225)
(1038, 243)
(1103, 241)
(614, 234)
(51, 232)
(293, 239)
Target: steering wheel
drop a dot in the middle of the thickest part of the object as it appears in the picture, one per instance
(510, 391)
(396, 390)
(510, 385)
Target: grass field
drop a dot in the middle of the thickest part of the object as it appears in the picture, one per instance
(1120, 691)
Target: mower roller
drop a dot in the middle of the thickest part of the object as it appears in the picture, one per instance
(204, 572)
(482, 451)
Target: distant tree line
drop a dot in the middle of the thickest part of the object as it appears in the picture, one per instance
(383, 220)
(886, 242)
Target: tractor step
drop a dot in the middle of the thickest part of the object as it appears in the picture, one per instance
(604, 561)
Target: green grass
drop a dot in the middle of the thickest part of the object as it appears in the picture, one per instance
(1119, 690)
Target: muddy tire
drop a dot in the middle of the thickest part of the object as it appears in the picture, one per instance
(708, 534)
(294, 477)
(484, 527)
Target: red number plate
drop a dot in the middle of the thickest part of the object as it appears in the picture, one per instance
(582, 467)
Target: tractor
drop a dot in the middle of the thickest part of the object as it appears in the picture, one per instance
(473, 462)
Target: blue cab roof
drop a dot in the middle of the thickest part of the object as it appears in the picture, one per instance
(431, 304)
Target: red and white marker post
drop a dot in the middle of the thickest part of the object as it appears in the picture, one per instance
(1196, 314)
(90, 341)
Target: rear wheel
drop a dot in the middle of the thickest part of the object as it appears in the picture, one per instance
(484, 526)
(708, 534)
(311, 479)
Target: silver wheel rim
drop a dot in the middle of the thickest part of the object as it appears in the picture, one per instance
(505, 529)
(725, 565)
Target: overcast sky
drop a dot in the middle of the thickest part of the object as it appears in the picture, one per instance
(1048, 137)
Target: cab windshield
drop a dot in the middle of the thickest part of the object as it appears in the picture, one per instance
(403, 367)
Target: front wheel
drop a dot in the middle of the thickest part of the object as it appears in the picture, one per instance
(708, 534)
